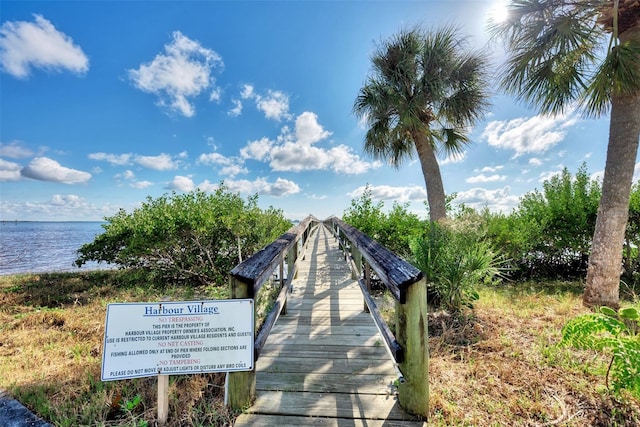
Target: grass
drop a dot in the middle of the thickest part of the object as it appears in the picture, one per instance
(498, 365)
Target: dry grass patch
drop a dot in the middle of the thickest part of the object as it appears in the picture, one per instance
(51, 338)
(501, 366)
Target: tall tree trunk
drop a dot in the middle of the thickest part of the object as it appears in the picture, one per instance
(432, 178)
(605, 262)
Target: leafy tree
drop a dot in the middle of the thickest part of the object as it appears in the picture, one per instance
(423, 95)
(393, 230)
(559, 222)
(193, 237)
(563, 53)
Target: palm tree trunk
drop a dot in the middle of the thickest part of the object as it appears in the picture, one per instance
(432, 178)
(605, 262)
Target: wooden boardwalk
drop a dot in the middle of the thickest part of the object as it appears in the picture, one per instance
(324, 363)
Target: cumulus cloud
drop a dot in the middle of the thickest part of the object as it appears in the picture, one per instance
(161, 162)
(294, 150)
(247, 92)
(141, 185)
(499, 200)
(45, 169)
(279, 188)
(14, 150)
(528, 135)
(181, 183)
(485, 178)
(237, 109)
(274, 106)
(308, 130)
(38, 44)
(232, 166)
(114, 159)
(179, 74)
(454, 158)
(257, 150)
(387, 192)
(9, 171)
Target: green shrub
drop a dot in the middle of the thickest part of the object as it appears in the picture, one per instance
(454, 264)
(615, 333)
(194, 238)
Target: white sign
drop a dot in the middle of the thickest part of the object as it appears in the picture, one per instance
(170, 338)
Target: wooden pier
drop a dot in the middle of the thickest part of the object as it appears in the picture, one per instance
(325, 363)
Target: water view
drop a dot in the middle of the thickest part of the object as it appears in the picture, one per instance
(38, 247)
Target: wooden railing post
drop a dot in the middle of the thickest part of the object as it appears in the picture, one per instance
(412, 335)
(241, 385)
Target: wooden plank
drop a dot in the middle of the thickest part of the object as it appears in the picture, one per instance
(327, 383)
(333, 351)
(252, 420)
(324, 362)
(352, 406)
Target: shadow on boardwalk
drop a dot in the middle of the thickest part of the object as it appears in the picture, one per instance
(324, 363)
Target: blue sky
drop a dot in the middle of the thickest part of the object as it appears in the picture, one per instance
(104, 103)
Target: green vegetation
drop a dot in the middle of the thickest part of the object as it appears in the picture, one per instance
(617, 333)
(563, 56)
(499, 365)
(425, 92)
(192, 238)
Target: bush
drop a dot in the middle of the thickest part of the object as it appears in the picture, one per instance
(393, 230)
(454, 264)
(617, 333)
(194, 238)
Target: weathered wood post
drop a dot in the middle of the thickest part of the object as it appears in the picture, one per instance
(241, 385)
(412, 335)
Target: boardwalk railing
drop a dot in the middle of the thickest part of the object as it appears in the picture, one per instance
(246, 280)
(409, 344)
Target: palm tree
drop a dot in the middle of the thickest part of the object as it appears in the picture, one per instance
(425, 92)
(585, 53)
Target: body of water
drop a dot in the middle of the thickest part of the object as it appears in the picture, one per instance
(38, 247)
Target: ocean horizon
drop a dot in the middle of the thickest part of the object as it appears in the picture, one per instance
(45, 246)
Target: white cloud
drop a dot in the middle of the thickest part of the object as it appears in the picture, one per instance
(247, 92)
(141, 185)
(26, 45)
(179, 74)
(181, 183)
(257, 150)
(114, 159)
(295, 152)
(237, 109)
(454, 158)
(528, 135)
(214, 159)
(279, 188)
(308, 130)
(9, 171)
(69, 200)
(499, 200)
(233, 170)
(491, 169)
(45, 169)
(534, 161)
(274, 106)
(387, 192)
(215, 95)
(128, 174)
(484, 178)
(545, 176)
(161, 162)
(15, 150)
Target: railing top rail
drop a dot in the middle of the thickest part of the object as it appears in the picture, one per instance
(396, 273)
(256, 269)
